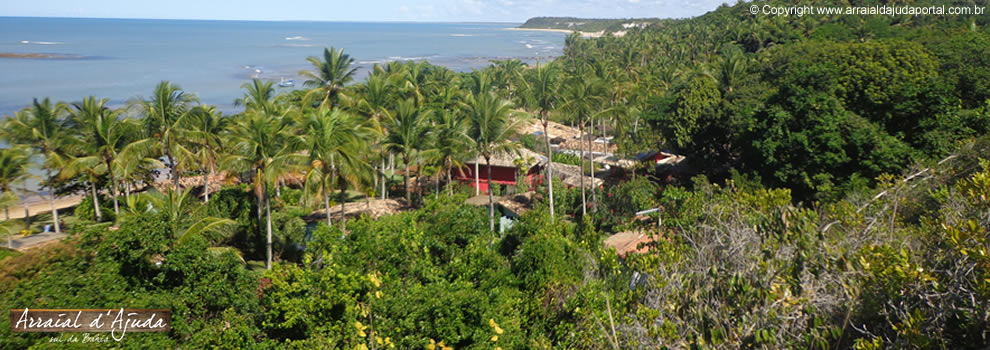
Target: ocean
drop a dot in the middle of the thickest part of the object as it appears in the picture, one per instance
(122, 59)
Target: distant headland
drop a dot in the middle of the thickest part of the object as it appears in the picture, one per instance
(590, 27)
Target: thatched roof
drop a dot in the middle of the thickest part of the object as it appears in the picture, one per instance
(508, 159)
(616, 161)
(186, 182)
(571, 175)
(518, 203)
(553, 128)
(374, 208)
(582, 143)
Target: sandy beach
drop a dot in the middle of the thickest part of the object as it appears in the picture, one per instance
(568, 31)
(37, 206)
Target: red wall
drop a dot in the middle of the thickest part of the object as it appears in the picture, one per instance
(500, 175)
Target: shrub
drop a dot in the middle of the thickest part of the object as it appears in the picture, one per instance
(85, 210)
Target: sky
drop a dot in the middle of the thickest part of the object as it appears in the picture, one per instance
(515, 11)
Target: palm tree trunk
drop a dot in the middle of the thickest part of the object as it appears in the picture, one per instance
(326, 204)
(27, 216)
(10, 242)
(546, 139)
(51, 200)
(436, 194)
(405, 182)
(591, 160)
(391, 170)
(384, 179)
(175, 171)
(114, 189)
(450, 185)
(261, 206)
(96, 202)
(419, 175)
(268, 246)
(584, 200)
(491, 198)
(206, 185)
(477, 183)
(343, 201)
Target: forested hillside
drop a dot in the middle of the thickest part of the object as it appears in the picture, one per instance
(835, 194)
(816, 104)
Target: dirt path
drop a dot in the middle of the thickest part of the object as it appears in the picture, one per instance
(35, 240)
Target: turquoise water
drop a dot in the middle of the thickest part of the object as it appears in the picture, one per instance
(121, 59)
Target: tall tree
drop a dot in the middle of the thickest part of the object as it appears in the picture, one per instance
(582, 99)
(266, 146)
(164, 115)
(259, 95)
(408, 133)
(329, 76)
(205, 131)
(14, 163)
(508, 76)
(492, 124)
(42, 127)
(543, 95)
(450, 144)
(102, 136)
(375, 98)
(335, 141)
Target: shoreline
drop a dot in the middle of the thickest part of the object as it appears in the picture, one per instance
(43, 206)
(566, 31)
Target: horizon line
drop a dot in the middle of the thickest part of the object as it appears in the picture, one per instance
(267, 20)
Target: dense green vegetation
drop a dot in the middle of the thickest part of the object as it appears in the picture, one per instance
(836, 196)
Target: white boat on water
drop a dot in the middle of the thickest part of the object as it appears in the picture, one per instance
(286, 83)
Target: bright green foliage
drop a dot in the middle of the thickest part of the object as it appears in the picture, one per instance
(627, 198)
(84, 211)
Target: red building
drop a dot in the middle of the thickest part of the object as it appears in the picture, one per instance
(505, 168)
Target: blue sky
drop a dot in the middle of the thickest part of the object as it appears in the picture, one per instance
(359, 10)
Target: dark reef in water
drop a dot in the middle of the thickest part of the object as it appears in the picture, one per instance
(43, 56)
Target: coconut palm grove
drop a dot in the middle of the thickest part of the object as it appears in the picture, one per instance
(831, 191)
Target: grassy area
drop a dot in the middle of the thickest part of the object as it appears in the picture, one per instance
(4, 253)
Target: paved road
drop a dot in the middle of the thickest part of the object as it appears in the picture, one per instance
(22, 243)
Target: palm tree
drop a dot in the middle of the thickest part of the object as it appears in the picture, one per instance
(731, 68)
(42, 127)
(330, 75)
(103, 135)
(508, 76)
(266, 146)
(260, 95)
(14, 163)
(182, 214)
(543, 95)
(164, 115)
(335, 141)
(451, 141)
(408, 132)
(582, 99)
(376, 95)
(492, 123)
(204, 131)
